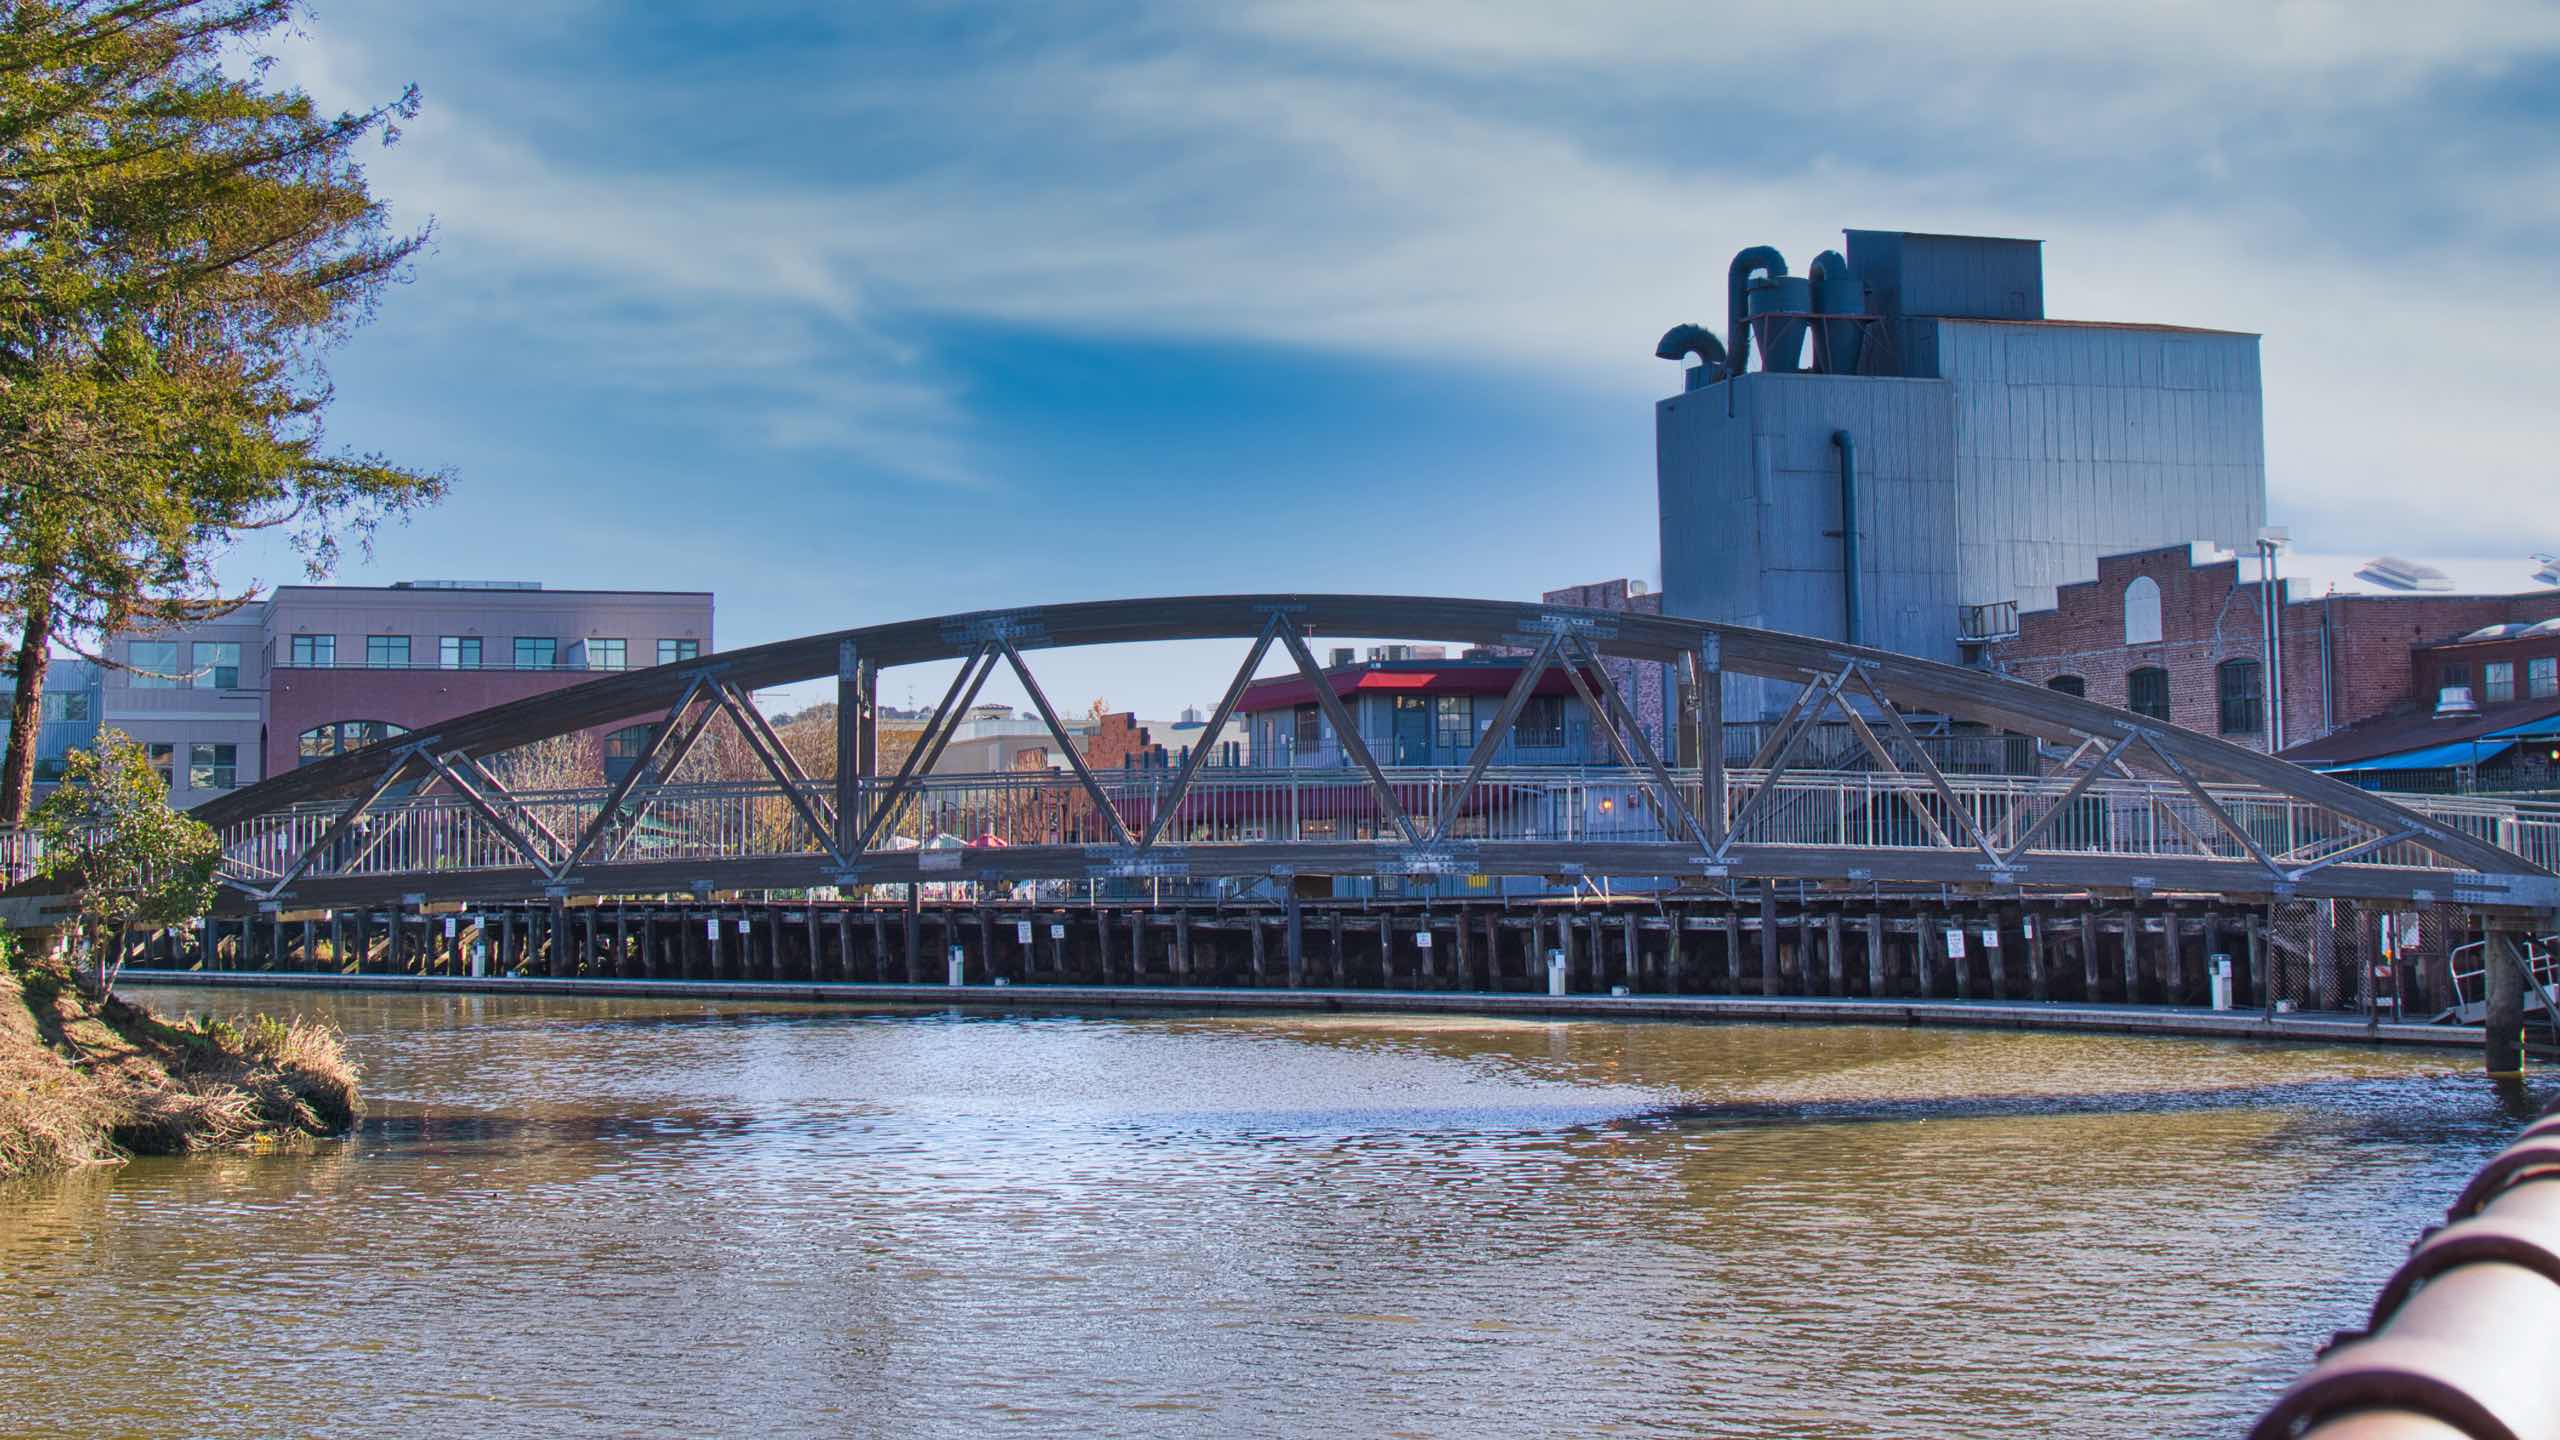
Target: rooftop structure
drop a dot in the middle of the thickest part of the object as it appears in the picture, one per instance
(1983, 453)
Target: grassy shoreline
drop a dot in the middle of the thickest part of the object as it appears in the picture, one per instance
(87, 1080)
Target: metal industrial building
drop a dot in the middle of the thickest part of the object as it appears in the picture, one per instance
(1986, 453)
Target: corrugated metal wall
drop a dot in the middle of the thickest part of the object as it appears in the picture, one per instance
(1751, 512)
(2077, 441)
(1970, 275)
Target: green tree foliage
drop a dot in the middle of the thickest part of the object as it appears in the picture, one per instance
(108, 832)
(179, 245)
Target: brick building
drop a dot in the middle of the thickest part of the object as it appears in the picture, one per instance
(314, 670)
(1646, 686)
(2177, 633)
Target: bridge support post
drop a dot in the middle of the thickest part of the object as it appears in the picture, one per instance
(1839, 972)
(2089, 992)
(857, 742)
(2132, 957)
(2504, 1025)
(1962, 963)
(1768, 939)
(2173, 968)
(1876, 985)
(1295, 943)
(915, 934)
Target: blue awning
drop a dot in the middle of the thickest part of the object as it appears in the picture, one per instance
(2546, 728)
(2433, 757)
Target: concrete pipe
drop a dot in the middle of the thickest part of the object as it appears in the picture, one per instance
(2460, 1337)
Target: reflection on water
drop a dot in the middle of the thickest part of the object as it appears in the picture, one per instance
(665, 1218)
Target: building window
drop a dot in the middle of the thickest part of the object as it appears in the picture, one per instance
(340, 736)
(2146, 692)
(608, 655)
(155, 664)
(217, 665)
(622, 749)
(1453, 722)
(2071, 685)
(2243, 707)
(1541, 722)
(65, 706)
(164, 759)
(2542, 677)
(2450, 674)
(671, 651)
(2142, 611)
(386, 652)
(1310, 732)
(317, 652)
(537, 652)
(2497, 682)
(458, 652)
(213, 767)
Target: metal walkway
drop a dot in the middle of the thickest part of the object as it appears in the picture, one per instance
(2123, 804)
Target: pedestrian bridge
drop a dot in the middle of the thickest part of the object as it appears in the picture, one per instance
(2120, 803)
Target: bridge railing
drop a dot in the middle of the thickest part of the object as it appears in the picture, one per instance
(2132, 818)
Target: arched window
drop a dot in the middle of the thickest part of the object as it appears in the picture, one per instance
(622, 749)
(2146, 692)
(2142, 611)
(2243, 710)
(2071, 685)
(340, 736)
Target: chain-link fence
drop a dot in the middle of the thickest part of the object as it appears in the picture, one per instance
(2340, 955)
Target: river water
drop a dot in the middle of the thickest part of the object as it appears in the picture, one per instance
(662, 1218)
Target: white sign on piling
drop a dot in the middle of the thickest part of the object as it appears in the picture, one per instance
(959, 966)
(1022, 932)
(1422, 939)
(1955, 944)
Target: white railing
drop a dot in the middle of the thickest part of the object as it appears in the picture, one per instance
(2135, 819)
(2469, 968)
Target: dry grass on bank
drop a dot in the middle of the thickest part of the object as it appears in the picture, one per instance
(84, 1080)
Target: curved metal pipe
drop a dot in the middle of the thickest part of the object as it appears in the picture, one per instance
(1681, 341)
(1837, 292)
(1737, 276)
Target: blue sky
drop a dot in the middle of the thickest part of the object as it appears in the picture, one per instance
(851, 312)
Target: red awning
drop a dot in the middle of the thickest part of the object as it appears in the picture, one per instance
(1459, 677)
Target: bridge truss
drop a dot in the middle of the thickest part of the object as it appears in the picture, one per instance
(2123, 804)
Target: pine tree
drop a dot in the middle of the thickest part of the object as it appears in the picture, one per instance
(179, 246)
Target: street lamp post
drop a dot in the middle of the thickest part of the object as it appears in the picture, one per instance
(2271, 538)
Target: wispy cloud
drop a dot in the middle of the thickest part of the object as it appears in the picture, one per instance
(1510, 184)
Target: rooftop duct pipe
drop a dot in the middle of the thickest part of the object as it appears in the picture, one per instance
(1737, 279)
(1682, 341)
(1837, 292)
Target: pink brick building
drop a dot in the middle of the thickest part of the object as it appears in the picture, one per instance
(316, 669)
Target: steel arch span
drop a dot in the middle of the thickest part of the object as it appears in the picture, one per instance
(2122, 803)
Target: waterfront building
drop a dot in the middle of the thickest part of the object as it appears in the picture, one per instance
(1984, 454)
(2398, 674)
(314, 670)
(1419, 713)
(69, 717)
